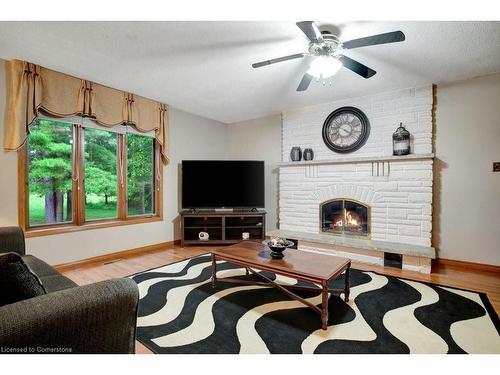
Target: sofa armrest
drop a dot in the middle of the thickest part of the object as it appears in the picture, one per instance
(95, 318)
(12, 240)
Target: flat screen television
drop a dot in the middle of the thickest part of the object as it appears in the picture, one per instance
(222, 184)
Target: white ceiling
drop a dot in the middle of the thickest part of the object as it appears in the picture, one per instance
(205, 67)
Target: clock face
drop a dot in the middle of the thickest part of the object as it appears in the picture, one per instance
(346, 130)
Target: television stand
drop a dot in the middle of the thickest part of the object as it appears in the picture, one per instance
(223, 228)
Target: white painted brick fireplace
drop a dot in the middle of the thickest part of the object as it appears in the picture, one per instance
(400, 203)
(397, 189)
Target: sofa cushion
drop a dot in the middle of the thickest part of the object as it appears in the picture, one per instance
(50, 278)
(12, 240)
(17, 281)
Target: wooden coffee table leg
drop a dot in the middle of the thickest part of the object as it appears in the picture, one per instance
(324, 306)
(214, 271)
(347, 280)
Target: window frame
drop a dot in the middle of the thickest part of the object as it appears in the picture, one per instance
(78, 166)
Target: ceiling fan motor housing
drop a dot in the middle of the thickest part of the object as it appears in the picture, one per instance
(329, 47)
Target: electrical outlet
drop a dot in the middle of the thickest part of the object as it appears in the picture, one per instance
(496, 166)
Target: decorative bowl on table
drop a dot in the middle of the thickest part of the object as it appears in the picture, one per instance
(277, 246)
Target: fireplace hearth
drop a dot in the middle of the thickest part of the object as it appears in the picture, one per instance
(345, 217)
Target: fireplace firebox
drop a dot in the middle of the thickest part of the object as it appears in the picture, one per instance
(345, 217)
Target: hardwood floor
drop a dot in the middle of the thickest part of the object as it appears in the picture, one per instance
(128, 264)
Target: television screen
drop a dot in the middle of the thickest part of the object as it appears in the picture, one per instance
(222, 183)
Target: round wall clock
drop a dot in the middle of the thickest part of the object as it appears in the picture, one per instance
(346, 129)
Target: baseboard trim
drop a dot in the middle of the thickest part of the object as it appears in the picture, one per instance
(468, 265)
(115, 255)
(162, 245)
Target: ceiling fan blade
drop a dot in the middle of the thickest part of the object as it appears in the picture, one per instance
(278, 59)
(311, 30)
(392, 37)
(304, 82)
(357, 67)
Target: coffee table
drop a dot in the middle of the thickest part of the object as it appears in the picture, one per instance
(315, 268)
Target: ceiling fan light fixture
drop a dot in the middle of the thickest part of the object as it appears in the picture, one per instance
(324, 67)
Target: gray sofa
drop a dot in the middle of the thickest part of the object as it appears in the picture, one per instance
(95, 318)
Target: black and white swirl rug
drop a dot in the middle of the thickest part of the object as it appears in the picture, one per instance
(179, 312)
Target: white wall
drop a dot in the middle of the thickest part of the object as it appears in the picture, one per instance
(8, 166)
(466, 191)
(192, 137)
(260, 139)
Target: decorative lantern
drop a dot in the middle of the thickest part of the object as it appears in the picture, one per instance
(401, 141)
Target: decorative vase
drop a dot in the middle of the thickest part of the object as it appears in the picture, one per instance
(308, 154)
(401, 141)
(277, 250)
(296, 154)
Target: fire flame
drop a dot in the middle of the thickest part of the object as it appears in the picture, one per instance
(349, 220)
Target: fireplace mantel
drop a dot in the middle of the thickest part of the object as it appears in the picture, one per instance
(362, 159)
(359, 243)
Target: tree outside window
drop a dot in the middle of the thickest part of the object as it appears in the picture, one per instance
(54, 184)
(100, 174)
(50, 149)
(140, 179)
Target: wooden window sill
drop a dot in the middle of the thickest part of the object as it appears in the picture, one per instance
(68, 228)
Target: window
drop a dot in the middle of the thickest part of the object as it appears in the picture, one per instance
(140, 175)
(81, 176)
(50, 164)
(101, 189)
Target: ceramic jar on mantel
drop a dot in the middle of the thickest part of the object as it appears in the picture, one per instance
(308, 154)
(295, 154)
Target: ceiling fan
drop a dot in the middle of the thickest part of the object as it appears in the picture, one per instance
(326, 48)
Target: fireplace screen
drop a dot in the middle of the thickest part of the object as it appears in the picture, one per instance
(342, 216)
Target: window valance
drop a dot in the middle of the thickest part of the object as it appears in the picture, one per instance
(32, 89)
